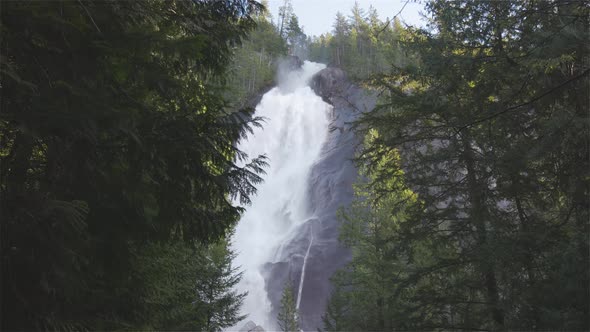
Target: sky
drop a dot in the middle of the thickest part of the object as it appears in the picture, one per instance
(317, 16)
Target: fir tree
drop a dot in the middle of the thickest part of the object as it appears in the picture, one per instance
(114, 137)
(288, 318)
(215, 294)
(482, 128)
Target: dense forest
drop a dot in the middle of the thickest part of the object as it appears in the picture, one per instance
(118, 163)
(121, 184)
(473, 209)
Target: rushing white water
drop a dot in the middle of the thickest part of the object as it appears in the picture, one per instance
(295, 128)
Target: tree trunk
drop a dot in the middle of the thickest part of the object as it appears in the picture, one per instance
(478, 217)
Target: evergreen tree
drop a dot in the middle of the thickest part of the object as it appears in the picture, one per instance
(484, 128)
(296, 39)
(285, 14)
(114, 137)
(362, 45)
(216, 297)
(293, 30)
(187, 287)
(253, 66)
(288, 318)
(319, 48)
(368, 293)
(340, 44)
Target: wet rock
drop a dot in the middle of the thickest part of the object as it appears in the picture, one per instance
(250, 326)
(330, 83)
(329, 187)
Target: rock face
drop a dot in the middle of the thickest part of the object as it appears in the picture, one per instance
(250, 326)
(332, 84)
(330, 187)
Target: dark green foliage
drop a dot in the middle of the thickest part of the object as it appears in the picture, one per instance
(187, 287)
(368, 293)
(493, 129)
(293, 30)
(338, 316)
(253, 66)
(361, 44)
(297, 40)
(113, 137)
(288, 318)
(290, 31)
(285, 14)
(216, 299)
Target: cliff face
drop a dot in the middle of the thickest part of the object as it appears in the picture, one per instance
(315, 249)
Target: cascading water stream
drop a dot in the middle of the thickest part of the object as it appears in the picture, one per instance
(301, 281)
(294, 131)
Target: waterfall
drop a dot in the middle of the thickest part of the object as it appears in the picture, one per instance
(294, 131)
(302, 279)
